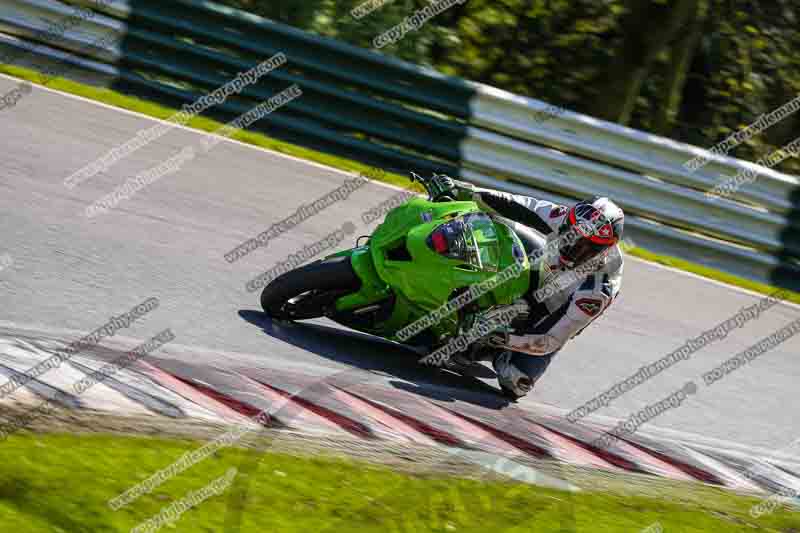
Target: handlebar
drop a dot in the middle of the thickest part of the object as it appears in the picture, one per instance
(426, 185)
(424, 181)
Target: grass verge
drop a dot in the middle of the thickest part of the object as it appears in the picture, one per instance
(152, 109)
(61, 483)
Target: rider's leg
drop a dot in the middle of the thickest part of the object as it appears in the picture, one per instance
(518, 372)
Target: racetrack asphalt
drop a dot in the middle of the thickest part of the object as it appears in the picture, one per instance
(168, 241)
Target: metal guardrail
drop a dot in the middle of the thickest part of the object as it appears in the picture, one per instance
(657, 200)
(401, 116)
(640, 152)
(178, 51)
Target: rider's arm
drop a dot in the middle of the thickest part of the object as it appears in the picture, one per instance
(541, 215)
(585, 305)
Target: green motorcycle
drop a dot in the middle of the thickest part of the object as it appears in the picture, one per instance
(424, 255)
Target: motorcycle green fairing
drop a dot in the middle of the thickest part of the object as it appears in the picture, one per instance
(403, 278)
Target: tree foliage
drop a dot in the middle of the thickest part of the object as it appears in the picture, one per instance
(694, 70)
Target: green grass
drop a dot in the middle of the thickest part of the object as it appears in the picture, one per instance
(61, 483)
(131, 103)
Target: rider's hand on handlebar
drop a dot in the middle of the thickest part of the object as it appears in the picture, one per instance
(441, 186)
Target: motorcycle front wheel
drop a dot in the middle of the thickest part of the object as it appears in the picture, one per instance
(309, 291)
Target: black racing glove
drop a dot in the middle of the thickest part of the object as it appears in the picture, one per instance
(441, 187)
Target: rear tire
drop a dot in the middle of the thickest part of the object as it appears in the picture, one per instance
(313, 288)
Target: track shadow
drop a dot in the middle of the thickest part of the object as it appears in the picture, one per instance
(377, 355)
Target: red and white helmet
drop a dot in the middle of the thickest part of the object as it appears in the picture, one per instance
(591, 228)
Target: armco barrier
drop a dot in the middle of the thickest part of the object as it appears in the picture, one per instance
(178, 51)
(399, 116)
(637, 151)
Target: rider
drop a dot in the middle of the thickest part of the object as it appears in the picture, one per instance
(568, 290)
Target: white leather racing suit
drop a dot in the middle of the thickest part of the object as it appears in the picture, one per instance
(563, 302)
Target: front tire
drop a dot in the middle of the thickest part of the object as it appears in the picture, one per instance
(309, 291)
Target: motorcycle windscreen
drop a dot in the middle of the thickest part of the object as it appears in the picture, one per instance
(471, 238)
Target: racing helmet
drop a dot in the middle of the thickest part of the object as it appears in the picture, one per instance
(590, 229)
